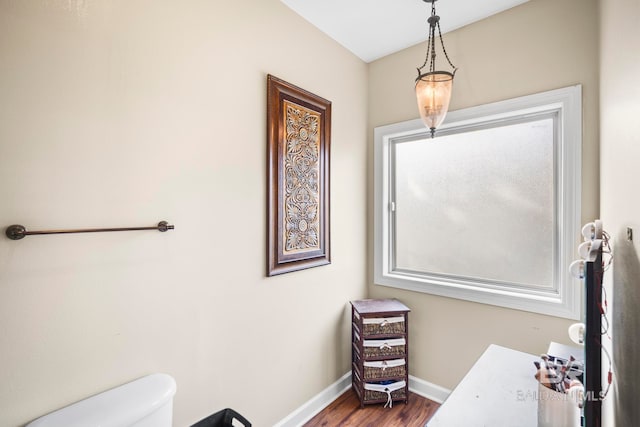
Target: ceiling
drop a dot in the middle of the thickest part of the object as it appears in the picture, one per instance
(372, 29)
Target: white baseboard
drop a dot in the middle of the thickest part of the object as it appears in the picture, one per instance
(429, 390)
(320, 401)
(316, 403)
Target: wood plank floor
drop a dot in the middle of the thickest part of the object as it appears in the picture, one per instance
(345, 411)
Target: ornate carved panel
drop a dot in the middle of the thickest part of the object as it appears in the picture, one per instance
(299, 126)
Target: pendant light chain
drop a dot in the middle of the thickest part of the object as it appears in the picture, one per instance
(445, 51)
(434, 21)
(431, 48)
(432, 32)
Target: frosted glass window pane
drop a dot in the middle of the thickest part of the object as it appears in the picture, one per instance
(478, 204)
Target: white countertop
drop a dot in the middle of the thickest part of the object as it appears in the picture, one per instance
(498, 391)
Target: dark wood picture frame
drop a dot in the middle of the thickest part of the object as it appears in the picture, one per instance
(299, 139)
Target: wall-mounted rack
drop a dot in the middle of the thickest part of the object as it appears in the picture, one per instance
(593, 345)
(17, 232)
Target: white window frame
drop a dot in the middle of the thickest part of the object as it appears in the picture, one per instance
(566, 300)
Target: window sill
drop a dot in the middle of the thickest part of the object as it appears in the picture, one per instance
(546, 303)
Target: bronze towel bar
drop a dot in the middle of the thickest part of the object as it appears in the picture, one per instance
(17, 232)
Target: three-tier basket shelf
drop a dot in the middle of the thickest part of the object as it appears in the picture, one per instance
(380, 350)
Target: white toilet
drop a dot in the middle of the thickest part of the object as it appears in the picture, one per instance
(146, 402)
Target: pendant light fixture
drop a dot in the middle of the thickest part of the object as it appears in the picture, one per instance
(433, 88)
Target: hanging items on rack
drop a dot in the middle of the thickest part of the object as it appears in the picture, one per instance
(597, 256)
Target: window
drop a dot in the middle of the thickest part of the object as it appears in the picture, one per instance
(489, 210)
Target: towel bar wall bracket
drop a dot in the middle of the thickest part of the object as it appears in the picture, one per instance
(17, 231)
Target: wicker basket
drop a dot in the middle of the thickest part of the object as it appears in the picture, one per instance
(384, 348)
(376, 395)
(383, 325)
(398, 391)
(385, 369)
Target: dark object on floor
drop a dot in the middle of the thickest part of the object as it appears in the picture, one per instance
(223, 418)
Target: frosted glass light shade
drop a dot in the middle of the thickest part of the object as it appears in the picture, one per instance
(433, 91)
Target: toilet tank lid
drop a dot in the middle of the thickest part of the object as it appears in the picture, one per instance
(118, 407)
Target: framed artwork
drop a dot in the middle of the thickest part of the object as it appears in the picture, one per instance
(299, 136)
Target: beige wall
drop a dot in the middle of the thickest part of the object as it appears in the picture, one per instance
(620, 207)
(124, 113)
(119, 113)
(538, 46)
